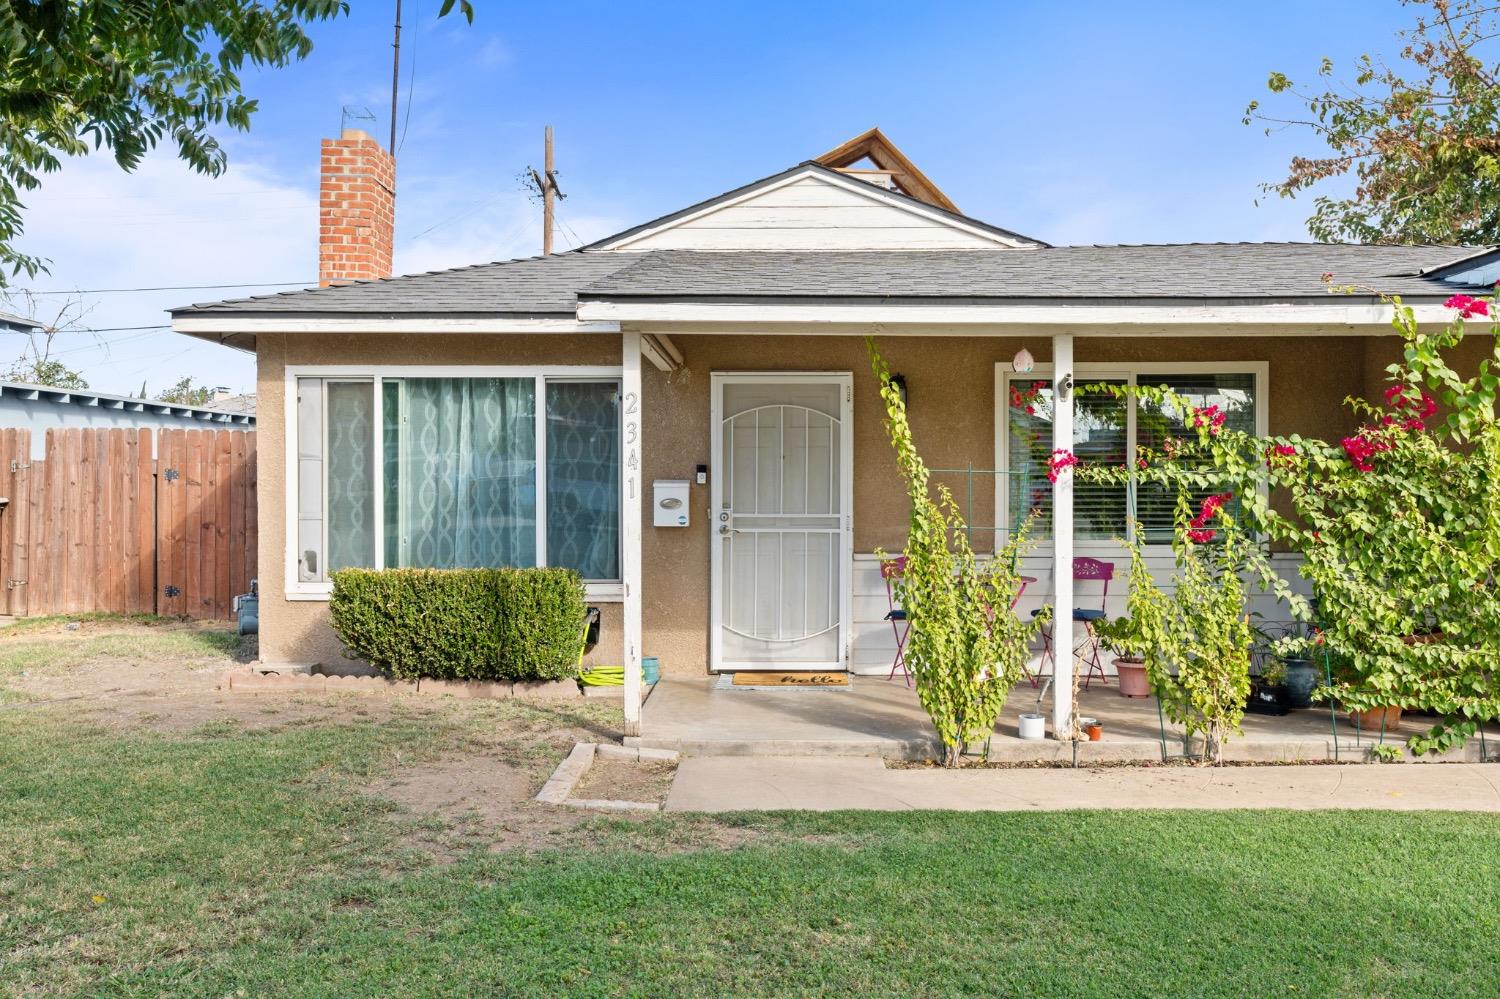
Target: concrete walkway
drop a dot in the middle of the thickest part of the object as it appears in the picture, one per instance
(756, 783)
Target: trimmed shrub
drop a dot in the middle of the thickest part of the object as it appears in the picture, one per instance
(462, 624)
(541, 623)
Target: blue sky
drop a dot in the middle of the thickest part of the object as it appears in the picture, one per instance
(1076, 122)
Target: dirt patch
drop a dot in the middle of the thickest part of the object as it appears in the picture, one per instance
(627, 780)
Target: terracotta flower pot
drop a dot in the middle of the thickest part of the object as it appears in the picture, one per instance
(1375, 720)
(1094, 732)
(1132, 674)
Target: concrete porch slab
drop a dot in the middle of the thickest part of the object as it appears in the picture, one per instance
(722, 784)
(876, 717)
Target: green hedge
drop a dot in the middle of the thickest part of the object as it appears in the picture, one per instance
(462, 624)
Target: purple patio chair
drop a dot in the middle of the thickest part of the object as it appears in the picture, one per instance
(891, 570)
(1088, 650)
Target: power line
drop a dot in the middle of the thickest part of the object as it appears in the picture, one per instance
(172, 287)
(411, 78)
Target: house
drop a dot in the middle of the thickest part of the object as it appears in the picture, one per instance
(684, 411)
(39, 408)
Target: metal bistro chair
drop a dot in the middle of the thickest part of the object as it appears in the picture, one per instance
(1086, 569)
(891, 570)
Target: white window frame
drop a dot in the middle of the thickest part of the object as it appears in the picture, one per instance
(602, 591)
(1083, 374)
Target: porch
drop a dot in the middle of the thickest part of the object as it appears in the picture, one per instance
(879, 717)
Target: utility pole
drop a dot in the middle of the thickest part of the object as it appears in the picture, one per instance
(548, 172)
(545, 184)
(395, 75)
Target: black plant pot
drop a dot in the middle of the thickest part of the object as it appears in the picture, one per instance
(1300, 681)
(1266, 699)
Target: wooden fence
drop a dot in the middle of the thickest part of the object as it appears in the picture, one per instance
(103, 524)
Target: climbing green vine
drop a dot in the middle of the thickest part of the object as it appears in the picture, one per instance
(965, 648)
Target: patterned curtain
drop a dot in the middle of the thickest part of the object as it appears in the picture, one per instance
(460, 470)
(351, 471)
(583, 478)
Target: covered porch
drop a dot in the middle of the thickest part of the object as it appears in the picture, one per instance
(879, 717)
(960, 383)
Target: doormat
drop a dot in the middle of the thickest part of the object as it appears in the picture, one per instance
(789, 680)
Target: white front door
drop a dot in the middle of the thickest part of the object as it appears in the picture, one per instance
(781, 502)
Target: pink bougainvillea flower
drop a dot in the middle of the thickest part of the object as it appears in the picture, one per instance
(1061, 458)
(1200, 535)
(1280, 451)
(1327, 276)
(1030, 410)
(1210, 417)
(1360, 449)
(1396, 398)
(1468, 306)
(1141, 462)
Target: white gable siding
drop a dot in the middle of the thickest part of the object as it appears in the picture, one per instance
(815, 213)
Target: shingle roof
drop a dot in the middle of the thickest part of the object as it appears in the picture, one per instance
(1193, 271)
(552, 286)
(533, 286)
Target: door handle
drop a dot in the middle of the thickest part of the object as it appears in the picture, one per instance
(725, 531)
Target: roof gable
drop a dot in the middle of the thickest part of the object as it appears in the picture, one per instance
(814, 207)
(881, 151)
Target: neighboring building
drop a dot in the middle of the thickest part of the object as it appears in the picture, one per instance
(39, 408)
(12, 323)
(500, 414)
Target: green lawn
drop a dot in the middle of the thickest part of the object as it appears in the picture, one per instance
(231, 861)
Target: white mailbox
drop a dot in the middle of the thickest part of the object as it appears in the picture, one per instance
(670, 503)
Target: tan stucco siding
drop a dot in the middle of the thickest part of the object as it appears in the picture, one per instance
(951, 385)
(297, 630)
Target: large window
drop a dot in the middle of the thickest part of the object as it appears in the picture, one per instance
(448, 472)
(1110, 430)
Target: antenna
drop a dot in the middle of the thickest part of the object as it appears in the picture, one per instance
(354, 112)
(395, 75)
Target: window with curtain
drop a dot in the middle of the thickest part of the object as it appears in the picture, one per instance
(459, 473)
(1106, 432)
(1155, 423)
(1099, 436)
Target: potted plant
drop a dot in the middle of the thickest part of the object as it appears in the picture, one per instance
(1122, 636)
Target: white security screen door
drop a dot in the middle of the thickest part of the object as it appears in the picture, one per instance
(781, 520)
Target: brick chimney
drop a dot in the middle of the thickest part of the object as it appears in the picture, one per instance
(356, 209)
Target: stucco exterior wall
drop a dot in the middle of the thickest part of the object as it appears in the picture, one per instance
(951, 387)
(297, 631)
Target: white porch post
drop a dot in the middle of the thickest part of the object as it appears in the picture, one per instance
(631, 489)
(1062, 538)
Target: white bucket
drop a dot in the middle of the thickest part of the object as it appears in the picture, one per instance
(1033, 726)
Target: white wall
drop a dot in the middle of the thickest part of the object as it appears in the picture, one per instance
(815, 213)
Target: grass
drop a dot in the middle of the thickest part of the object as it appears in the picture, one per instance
(37, 646)
(248, 862)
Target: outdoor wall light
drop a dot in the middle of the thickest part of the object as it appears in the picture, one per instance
(1023, 362)
(899, 381)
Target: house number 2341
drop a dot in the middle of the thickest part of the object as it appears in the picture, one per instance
(632, 442)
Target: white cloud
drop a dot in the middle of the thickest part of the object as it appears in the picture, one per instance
(163, 225)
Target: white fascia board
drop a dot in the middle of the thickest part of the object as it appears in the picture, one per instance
(226, 325)
(1275, 314)
(862, 188)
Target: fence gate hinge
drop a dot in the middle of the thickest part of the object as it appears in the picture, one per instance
(11, 584)
(16, 466)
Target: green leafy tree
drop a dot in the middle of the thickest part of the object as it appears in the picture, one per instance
(41, 371)
(126, 77)
(185, 393)
(1420, 137)
(965, 648)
